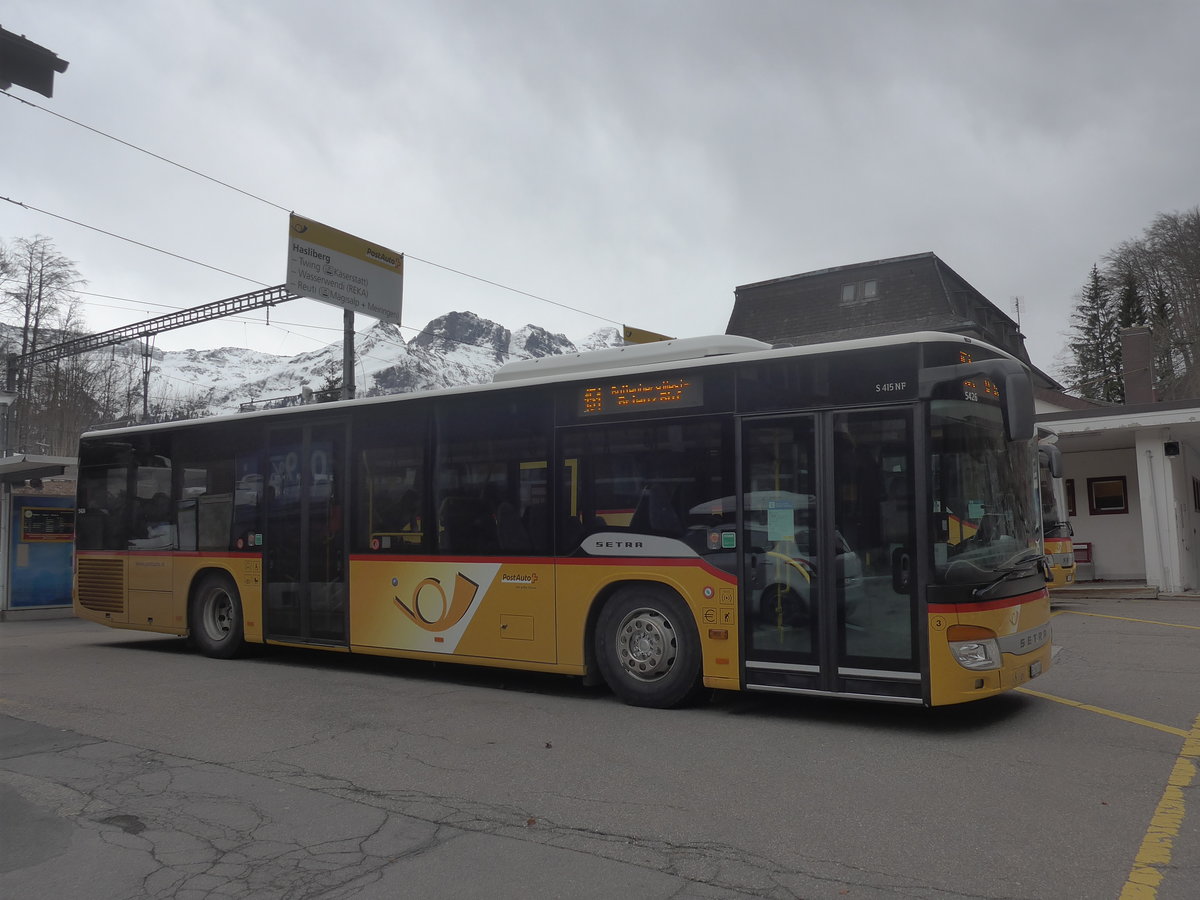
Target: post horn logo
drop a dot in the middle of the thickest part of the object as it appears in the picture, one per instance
(432, 610)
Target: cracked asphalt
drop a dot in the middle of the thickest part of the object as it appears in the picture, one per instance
(131, 767)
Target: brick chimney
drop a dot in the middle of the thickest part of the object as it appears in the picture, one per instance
(1137, 364)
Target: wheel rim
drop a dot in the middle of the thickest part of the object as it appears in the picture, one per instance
(646, 644)
(217, 617)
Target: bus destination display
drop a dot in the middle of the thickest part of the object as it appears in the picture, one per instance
(981, 390)
(664, 392)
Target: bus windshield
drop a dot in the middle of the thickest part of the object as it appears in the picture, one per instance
(1054, 516)
(987, 520)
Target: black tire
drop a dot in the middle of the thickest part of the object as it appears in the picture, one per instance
(215, 617)
(647, 647)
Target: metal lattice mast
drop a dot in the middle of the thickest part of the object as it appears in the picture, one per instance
(150, 327)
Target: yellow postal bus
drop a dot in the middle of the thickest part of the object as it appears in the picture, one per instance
(1057, 533)
(856, 519)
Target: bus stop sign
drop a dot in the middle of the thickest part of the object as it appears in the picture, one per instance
(343, 270)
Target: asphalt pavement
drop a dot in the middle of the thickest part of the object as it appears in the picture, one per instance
(132, 767)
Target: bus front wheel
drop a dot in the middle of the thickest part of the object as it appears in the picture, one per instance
(647, 648)
(215, 617)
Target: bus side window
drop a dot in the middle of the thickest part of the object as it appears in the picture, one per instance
(102, 523)
(153, 514)
(655, 514)
(511, 535)
(392, 512)
(648, 478)
(489, 472)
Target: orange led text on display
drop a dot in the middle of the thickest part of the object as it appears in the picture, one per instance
(623, 396)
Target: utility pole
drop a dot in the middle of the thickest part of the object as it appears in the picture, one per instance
(147, 365)
(348, 355)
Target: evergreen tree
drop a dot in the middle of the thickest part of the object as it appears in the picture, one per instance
(1096, 347)
(1130, 308)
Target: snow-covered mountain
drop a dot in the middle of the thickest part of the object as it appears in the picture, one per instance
(457, 348)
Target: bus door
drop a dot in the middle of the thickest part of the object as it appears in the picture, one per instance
(828, 599)
(305, 543)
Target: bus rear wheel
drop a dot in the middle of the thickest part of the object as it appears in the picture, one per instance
(647, 648)
(215, 617)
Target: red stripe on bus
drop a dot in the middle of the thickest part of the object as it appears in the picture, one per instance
(674, 561)
(169, 554)
(1002, 603)
(425, 558)
(630, 561)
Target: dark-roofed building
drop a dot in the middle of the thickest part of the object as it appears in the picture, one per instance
(1145, 454)
(886, 296)
(1132, 477)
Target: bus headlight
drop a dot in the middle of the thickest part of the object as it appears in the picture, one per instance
(974, 647)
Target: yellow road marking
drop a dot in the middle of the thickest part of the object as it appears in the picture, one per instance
(1105, 712)
(1076, 612)
(1155, 853)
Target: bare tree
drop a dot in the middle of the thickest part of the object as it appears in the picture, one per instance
(64, 390)
(37, 291)
(1163, 266)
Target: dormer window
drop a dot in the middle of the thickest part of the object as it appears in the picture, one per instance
(860, 291)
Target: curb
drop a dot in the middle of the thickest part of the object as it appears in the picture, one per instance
(1100, 591)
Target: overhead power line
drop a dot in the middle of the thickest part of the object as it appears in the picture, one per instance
(253, 196)
(119, 237)
(157, 156)
(514, 290)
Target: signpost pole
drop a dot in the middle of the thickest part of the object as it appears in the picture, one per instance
(342, 270)
(348, 355)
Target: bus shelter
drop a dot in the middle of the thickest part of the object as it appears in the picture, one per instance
(36, 531)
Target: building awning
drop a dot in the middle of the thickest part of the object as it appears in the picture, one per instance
(1116, 427)
(20, 468)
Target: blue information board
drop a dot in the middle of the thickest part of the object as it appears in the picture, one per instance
(41, 530)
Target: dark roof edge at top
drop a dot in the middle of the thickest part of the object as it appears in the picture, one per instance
(941, 264)
(874, 262)
(1069, 401)
(940, 267)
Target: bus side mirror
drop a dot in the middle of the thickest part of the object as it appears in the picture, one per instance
(1053, 457)
(1018, 407)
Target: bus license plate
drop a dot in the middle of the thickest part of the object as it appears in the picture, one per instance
(1035, 669)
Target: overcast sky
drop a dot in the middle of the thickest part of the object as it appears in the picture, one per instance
(633, 160)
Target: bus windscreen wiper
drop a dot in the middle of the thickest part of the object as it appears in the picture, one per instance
(1017, 564)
